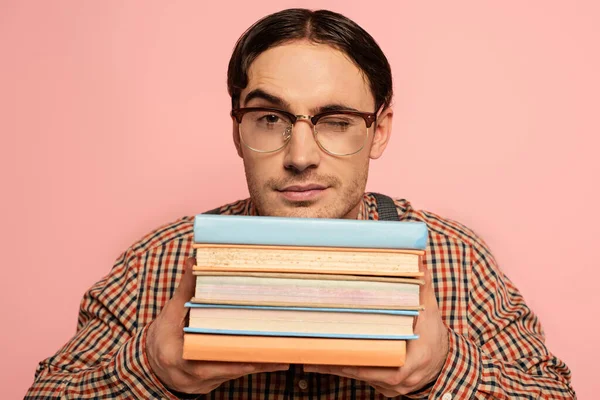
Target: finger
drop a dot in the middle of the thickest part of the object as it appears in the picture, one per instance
(184, 292)
(268, 367)
(387, 392)
(375, 375)
(378, 375)
(323, 369)
(209, 370)
(210, 384)
(426, 277)
(426, 294)
(187, 284)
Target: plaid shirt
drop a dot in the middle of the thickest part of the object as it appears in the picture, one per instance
(496, 344)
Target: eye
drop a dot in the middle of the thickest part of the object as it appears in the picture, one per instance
(338, 123)
(271, 118)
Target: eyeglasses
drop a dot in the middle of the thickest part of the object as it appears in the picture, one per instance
(339, 133)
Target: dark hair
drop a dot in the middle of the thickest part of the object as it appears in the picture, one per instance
(321, 26)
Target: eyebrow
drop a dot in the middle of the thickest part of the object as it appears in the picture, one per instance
(333, 107)
(271, 98)
(279, 102)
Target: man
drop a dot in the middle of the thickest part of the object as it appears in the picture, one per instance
(311, 95)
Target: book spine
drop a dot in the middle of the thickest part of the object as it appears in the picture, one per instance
(273, 231)
(188, 329)
(322, 304)
(319, 276)
(413, 313)
(381, 353)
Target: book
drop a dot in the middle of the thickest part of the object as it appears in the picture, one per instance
(294, 350)
(301, 321)
(283, 231)
(308, 290)
(354, 261)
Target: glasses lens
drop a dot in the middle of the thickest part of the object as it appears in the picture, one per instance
(341, 134)
(265, 130)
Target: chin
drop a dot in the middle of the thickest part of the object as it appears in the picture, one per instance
(330, 206)
(305, 210)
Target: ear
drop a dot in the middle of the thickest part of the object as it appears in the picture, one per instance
(236, 137)
(382, 132)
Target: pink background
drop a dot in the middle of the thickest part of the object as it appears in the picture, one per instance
(114, 120)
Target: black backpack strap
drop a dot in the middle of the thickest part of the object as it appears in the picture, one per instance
(386, 208)
(213, 211)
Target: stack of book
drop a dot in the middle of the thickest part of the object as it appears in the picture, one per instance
(304, 291)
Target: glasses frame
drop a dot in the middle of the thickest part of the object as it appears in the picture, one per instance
(369, 118)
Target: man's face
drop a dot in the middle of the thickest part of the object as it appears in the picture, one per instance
(301, 180)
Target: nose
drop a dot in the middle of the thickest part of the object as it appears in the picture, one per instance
(302, 152)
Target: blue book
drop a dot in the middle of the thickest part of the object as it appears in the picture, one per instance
(301, 322)
(298, 334)
(319, 232)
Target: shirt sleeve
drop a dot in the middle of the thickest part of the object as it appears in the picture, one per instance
(504, 355)
(106, 358)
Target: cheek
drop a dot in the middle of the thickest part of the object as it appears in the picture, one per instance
(350, 169)
(259, 168)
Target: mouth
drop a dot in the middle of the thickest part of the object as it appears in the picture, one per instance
(302, 192)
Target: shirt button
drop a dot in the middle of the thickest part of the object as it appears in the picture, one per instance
(302, 384)
(447, 396)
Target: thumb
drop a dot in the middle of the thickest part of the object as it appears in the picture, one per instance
(427, 292)
(427, 299)
(184, 292)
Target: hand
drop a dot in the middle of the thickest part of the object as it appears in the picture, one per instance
(425, 356)
(164, 344)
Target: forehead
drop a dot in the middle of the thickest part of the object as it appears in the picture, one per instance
(308, 75)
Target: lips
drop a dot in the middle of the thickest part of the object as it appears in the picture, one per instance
(302, 192)
(302, 188)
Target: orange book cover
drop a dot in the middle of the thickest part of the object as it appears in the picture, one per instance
(294, 350)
